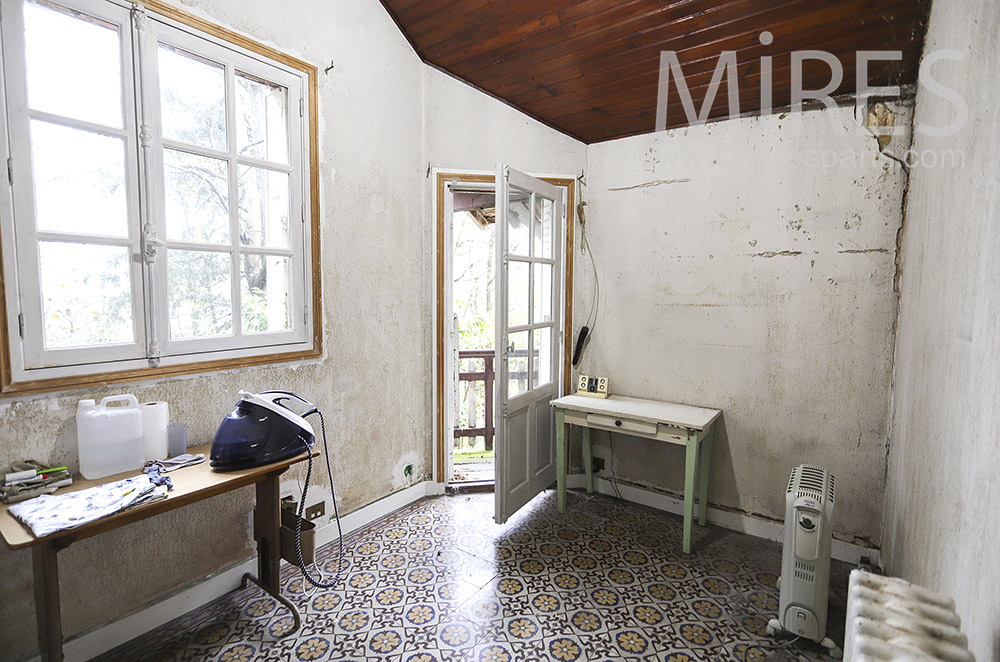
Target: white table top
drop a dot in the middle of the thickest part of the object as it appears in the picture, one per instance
(653, 411)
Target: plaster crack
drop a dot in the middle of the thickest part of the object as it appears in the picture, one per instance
(864, 250)
(775, 254)
(656, 182)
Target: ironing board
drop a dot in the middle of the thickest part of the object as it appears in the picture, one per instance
(191, 484)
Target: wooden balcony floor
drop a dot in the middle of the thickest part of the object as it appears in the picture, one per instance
(470, 471)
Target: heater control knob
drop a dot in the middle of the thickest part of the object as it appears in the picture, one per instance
(807, 524)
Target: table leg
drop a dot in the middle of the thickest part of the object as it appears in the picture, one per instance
(588, 460)
(690, 464)
(705, 458)
(561, 459)
(267, 526)
(47, 611)
(267, 531)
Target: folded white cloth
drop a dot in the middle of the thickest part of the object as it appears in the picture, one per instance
(50, 513)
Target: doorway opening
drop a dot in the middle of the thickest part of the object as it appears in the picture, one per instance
(473, 333)
(466, 316)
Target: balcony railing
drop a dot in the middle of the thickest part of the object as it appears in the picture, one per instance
(488, 376)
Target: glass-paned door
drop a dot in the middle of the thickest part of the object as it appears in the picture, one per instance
(528, 264)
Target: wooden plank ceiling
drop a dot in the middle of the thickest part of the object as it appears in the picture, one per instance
(590, 68)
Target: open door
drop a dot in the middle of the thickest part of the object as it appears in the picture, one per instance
(529, 335)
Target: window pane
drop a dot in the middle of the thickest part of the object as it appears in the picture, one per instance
(517, 293)
(261, 118)
(192, 98)
(196, 189)
(541, 354)
(543, 226)
(518, 221)
(542, 299)
(265, 293)
(86, 294)
(79, 181)
(199, 289)
(263, 207)
(517, 363)
(73, 64)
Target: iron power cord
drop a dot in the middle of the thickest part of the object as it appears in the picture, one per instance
(302, 505)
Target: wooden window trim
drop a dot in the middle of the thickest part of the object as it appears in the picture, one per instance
(10, 388)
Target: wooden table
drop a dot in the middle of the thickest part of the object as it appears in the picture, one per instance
(191, 484)
(692, 427)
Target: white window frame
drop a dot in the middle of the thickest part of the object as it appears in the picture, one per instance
(25, 365)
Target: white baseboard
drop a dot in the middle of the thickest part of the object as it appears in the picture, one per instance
(103, 639)
(376, 510)
(95, 642)
(742, 522)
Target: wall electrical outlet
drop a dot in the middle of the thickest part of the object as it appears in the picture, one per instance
(594, 387)
(316, 510)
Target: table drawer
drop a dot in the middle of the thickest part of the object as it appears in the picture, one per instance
(623, 424)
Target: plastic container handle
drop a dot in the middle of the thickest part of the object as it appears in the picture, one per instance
(129, 398)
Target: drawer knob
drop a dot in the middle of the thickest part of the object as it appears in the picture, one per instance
(618, 423)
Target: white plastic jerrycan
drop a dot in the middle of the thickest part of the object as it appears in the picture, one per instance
(109, 438)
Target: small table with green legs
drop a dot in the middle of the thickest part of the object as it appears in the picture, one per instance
(692, 427)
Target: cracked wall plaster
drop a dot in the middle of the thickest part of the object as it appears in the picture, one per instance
(383, 117)
(762, 285)
(942, 493)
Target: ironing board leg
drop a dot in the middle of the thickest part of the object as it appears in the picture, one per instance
(267, 531)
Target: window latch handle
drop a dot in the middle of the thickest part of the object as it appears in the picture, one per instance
(150, 243)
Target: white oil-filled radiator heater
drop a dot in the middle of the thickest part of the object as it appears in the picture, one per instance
(805, 563)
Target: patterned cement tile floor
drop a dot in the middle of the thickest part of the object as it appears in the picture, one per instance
(440, 581)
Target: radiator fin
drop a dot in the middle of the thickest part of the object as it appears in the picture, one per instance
(891, 619)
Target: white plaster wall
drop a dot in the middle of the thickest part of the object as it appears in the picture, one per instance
(371, 382)
(377, 135)
(941, 524)
(739, 272)
(469, 130)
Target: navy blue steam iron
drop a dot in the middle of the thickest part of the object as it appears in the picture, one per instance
(261, 429)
